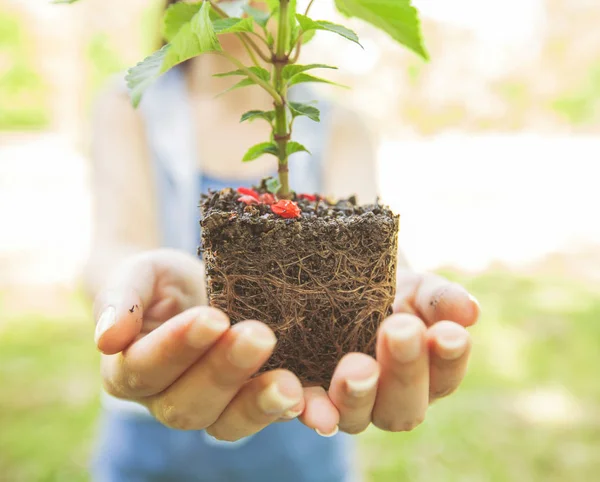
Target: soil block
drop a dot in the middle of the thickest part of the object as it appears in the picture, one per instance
(323, 281)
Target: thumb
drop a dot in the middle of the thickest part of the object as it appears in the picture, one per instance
(119, 309)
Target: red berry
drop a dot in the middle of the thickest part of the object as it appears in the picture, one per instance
(247, 200)
(267, 198)
(308, 197)
(286, 209)
(248, 192)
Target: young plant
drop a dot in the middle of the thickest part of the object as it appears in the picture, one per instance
(193, 29)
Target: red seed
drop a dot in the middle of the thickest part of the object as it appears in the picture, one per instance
(248, 200)
(286, 209)
(308, 197)
(248, 192)
(267, 198)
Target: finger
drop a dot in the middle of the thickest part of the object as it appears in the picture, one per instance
(119, 320)
(130, 293)
(353, 390)
(320, 413)
(449, 348)
(198, 398)
(154, 362)
(438, 299)
(403, 392)
(261, 401)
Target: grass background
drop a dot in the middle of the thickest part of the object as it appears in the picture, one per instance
(528, 411)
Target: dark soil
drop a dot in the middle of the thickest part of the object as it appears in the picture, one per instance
(323, 282)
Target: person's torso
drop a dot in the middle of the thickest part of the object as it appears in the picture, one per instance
(179, 182)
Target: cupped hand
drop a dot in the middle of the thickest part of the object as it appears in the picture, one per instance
(163, 349)
(421, 356)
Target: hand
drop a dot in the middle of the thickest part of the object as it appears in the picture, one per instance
(183, 361)
(422, 354)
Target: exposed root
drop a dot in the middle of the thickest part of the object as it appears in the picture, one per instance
(323, 283)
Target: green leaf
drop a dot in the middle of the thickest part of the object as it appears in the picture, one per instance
(294, 33)
(302, 78)
(64, 2)
(290, 71)
(308, 36)
(247, 82)
(398, 18)
(299, 109)
(260, 17)
(308, 24)
(233, 25)
(263, 74)
(251, 115)
(194, 38)
(141, 76)
(259, 149)
(176, 16)
(293, 147)
(273, 185)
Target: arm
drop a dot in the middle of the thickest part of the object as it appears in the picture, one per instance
(124, 201)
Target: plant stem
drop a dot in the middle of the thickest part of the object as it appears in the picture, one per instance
(281, 135)
(244, 38)
(265, 85)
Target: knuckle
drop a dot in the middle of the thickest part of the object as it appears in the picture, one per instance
(113, 388)
(172, 416)
(138, 384)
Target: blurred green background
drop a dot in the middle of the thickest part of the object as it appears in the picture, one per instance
(528, 410)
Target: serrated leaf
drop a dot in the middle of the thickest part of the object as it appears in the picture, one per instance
(299, 109)
(290, 70)
(263, 74)
(307, 24)
(293, 147)
(176, 16)
(251, 115)
(273, 185)
(233, 25)
(194, 38)
(260, 17)
(260, 149)
(141, 76)
(303, 78)
(398, 18)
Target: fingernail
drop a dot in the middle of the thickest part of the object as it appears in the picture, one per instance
(360, 388)
(250, 346)
(405, 341)
(291, 414)
(452, 344)
(107, 319)
(271, 401)
(331, 434)
(476, 302)
(196, 334)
